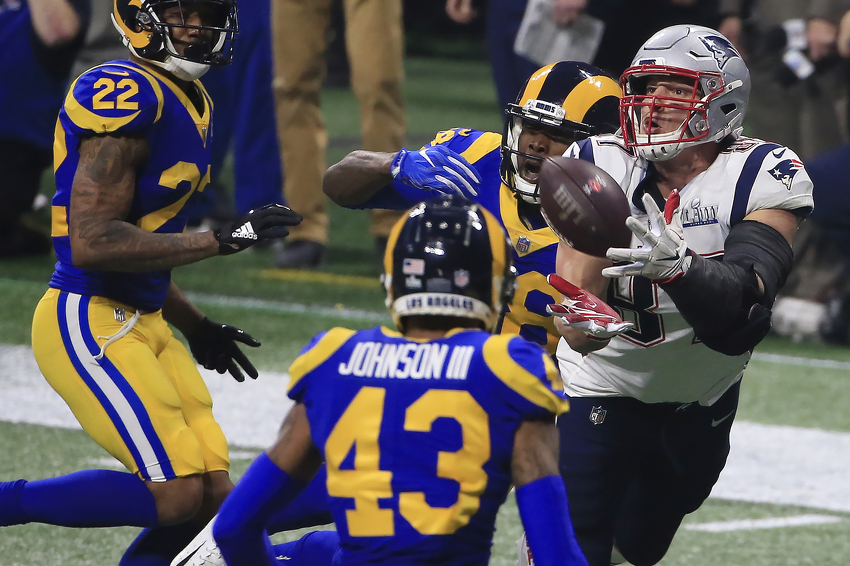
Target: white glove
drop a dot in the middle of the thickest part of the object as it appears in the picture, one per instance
(585, 311)
(663, 255)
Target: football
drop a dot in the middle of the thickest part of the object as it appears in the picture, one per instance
(583, 205)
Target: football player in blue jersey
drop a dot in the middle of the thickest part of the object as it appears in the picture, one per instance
(559, 104)
(131, 148)
(442, 418)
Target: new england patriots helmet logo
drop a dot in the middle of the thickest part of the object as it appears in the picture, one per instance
(720, 48)
(784, 171)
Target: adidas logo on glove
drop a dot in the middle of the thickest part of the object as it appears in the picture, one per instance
(246, 232)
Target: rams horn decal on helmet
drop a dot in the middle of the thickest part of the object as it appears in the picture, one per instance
(448, 257)
(149, 37)
(573, 100)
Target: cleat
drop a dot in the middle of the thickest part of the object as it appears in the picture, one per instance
(202, 551)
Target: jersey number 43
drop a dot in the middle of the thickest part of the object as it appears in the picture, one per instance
(359, 428)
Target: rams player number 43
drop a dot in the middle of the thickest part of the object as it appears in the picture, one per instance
(424, 430)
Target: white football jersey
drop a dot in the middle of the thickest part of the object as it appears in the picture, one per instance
(661, 360)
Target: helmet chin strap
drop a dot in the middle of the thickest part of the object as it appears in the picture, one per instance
(183, 69)
(526, 189)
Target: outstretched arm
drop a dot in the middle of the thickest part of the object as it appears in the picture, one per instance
(726, 302)
(582, 271)
(364, 179)
(101, 198)
(541, 496)
(358, 177)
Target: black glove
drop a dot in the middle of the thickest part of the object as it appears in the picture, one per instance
(214, 346)
(266, 223)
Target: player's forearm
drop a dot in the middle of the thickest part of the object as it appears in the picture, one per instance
(541, 497)
(358, 177)
(179, 311)
(535, 452)
(115, 245)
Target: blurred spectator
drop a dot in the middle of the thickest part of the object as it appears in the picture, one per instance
(374, 39)
(798, 100)
(628, 24)
(245, 119)
(38, 42)
(798, 83)
(510, 71)
(824, 263)
(101, 42)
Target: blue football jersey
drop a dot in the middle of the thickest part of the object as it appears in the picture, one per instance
(534, 244)
(418, 436)
(123, 98)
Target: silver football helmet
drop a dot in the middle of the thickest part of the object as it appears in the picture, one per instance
(718, 100)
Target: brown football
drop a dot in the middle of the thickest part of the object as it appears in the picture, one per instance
(583, 205)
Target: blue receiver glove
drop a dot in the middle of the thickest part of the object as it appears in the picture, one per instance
(436, 168)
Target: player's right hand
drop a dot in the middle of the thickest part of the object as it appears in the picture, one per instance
(214, 346)
(436, 168)
(585, 311)
(266, 223)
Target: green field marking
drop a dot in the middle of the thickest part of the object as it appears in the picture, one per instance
(801, 361)
(769, 523)
(320, 277)
(336, 312)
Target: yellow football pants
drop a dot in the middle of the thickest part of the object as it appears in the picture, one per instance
(144, 400)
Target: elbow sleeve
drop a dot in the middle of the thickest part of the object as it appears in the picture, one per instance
(722, 301)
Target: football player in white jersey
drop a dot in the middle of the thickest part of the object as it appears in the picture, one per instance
(713, 216)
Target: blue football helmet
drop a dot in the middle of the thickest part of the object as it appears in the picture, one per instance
(448, 257)
(143, 30)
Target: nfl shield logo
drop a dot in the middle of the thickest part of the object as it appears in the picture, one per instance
(597, 415)
(461, 278)
(523, 244)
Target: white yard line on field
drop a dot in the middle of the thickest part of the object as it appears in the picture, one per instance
(337, 311)
(801, 361)
(768, 463)
(769, 523)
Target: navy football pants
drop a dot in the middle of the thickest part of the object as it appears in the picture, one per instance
(635, 474)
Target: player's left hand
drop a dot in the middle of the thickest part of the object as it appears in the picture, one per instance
(268, 222)
(436, 168)
(214, 346)
(585, 311)
(663, 255)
